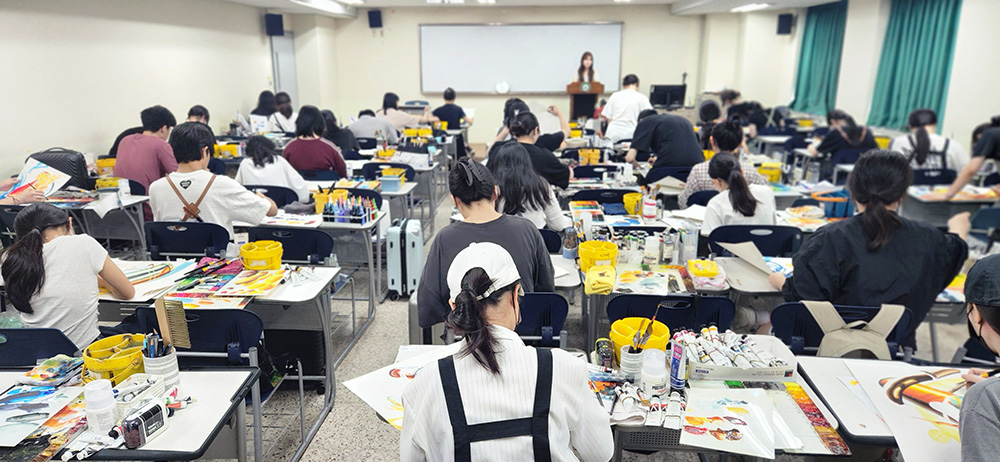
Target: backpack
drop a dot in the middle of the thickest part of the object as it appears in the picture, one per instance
(841, 339)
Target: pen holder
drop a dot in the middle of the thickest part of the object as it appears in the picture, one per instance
(166, 366)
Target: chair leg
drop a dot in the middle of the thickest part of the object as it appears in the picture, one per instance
(302, 400)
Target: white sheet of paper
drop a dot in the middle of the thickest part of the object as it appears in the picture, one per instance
(747, 412)
(19, 417)
(749, 253)
(695, 212)
(670, 182)
(105, 204)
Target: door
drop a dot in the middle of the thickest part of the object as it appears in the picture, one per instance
(283, 60)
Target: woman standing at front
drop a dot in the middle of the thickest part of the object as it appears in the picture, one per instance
(586, 72)
(497, 399)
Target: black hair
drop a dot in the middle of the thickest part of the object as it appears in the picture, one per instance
(990, 315)
(511, 108)
(709, 110)
(261, 150)
(468, 320)
(469, 181)
(156, 117)
(284, 102)
(726, 167)
(310, 122)
(646, 113)
(728, 134)
(198, 111)
(449, 94)
(521, 187)
(366, 112)
(266, 104)
(331, 122)
(589, 71)
(188, 139)
(630, 79)
(728, 96)
(523, 124)
(390, 101)
(851, 129)
(919, 119)
(22, 269)
(879, 178)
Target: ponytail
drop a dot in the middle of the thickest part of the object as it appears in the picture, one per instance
(726, 167)
(523, 124)
(922, 147)
(880, 178)
(918, 120)
(468, 319)
(22, 268)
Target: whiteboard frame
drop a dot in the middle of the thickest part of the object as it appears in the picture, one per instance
(621, 46)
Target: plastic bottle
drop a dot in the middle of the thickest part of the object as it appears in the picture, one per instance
(654, 372)
(101, 407)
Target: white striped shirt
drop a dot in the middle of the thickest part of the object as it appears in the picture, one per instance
(576, 418)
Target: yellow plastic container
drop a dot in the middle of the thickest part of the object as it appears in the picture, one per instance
(633, 203)
(114, 358)
(623, 331)
(261, 255)
(425, 131)
(410, 132)
(708, 154)
(441, 125)
(806, 122)
(322, 198)
(105, 167)
(395, 172)
(600, 253)
(703, 268)
(883, 142)
(573, 125)
(386, 154)
(771, 171)
(227, 151)
(590, 156)
(575, 133)
(106, 182)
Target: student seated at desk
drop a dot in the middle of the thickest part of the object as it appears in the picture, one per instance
(551, 141)
(623, 108)
(725, 137)
(266, 104)
(309, 150)
(844, 134)
(709, 113)
(27, 196)
(369, 126)
(145, 157)
(761, 118)
(523, 192)
(265, 166)
(399, 119)
(451, 112)
(979, 420)
(341, 137)
(283, 119)
(926, 149)
(738, 203)
(670, 137)
(496, 379)
(199, 113)
(194, 193)
(525, 129)
(52, 276)
(877, 256)
(474, 192)
(985, 145)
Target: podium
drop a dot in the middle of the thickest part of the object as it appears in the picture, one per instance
(583, 98)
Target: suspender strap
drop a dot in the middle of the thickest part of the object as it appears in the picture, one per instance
(456, 412)
(540, 415)
(191, 210)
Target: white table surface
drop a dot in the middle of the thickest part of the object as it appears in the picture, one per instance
(855, 418)
(571, 280)
(773, 139)
(408, 187)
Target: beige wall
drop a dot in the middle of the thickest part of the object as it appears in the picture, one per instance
(768, 61)
(974, 94)
(863, 36)
(315, 59)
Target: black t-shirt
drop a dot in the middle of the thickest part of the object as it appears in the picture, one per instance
(834, 141)
(759, 118)
(741, 109)
(988, 145)
(343, 138)
(451, 113)
(549, 141)
(547, 165)
(671, 137)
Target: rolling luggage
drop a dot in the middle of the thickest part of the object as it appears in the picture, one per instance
(405, 256)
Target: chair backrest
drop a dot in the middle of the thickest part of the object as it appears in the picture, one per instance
(701, 197)
(25, 346)
(372, 170)
(974, 352)
(232, 331)
(298, 245)
(281, 195)
(185, 239)
(553, 243)
(367, 143)
(772, 241)
(991, 179)
(847, 156)
(805, 201)
(350, 154)
(319, 175)
(542, 318)
(795, 142)
(595, 171)
(365, 193)
(657, 174)
(603, 196)
(796, 327)
(691, 311)
(69, 162)
(986, 218)
(7, 215)
(933, 176)
(136, 188)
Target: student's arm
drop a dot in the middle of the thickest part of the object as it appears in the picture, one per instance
(630, 156)
(961, 180)
(591, 435)
(563, 123)
(272, 208)
(554, 217)
(337, 163)
(112, 278)
(432, 293)
(409, 439)
(427, 117)
(502, 135)
(468, 120)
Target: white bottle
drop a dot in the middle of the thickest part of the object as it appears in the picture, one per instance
(102, 411)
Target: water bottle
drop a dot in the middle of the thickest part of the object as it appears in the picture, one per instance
(812, 176)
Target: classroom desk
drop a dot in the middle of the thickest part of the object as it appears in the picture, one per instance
(769, 143)
(405, 193)
(858, 424)
(118, 223)
(426, 174)
(193, 432)
(937, 213)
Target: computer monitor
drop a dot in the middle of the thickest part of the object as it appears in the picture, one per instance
(666, 96)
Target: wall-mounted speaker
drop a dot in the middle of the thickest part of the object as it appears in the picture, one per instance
(785, 23)
(375, 19)
(274, 24)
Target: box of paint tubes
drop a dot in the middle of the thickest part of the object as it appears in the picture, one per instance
(711, 355)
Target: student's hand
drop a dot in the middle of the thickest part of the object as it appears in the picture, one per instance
(995, 189)
(554, 111)
(260, 194)
(28, 196)
(777, 280)
(5, 185)
(973, 376)
(935, 197)
(960, 224)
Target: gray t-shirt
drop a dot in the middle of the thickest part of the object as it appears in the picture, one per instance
(517, 235)
(979, 424)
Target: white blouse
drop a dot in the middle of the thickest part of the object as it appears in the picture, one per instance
(720, 210)
(551, 216)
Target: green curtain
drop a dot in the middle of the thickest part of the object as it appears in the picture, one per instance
(819, 58)
(916, 60)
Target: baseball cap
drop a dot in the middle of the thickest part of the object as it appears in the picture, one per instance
(492, 258)
(982, 284)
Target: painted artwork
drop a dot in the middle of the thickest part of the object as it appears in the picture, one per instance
(661, 280)
(36, 175)
(920, 405)
(781, 265)
(736, 421)
(808, 430)
(58, 431)
(294, 221)
(967, 193)
(807, 225)
(205, 286)
(191, 303)
(955, 292)
(24, 408)
(150, 279)
(253, 283)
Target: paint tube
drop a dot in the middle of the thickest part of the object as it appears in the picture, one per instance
(731, 338)
(678, 363)
(717, 357)
(737, 357)
(654, 415)
(713, 335)
(672, 414)
(699, 350)
(764, 355)
(755, 360)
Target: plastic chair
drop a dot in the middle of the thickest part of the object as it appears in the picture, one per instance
(595, 171)
(7, 215)
(933, 176)
(657, 174)
(69, 162)
(772, 241)
(136, 188)
(371, 170)
(367, 143)
(603, 196)
(691, 311)
(350, 154)
(552, 240)
(25, 346)
(973, 352)
(281, 195)
(319, 175)
(542, 318)
(701, 197)
(805, 201)
(300, 246)
(796, 327)
(985, 225)
(185, 239)
(992, 179)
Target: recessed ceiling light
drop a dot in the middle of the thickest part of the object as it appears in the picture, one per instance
(622, 1)
(487, 2)
(353, 2)
(750, 7)
(446, 1)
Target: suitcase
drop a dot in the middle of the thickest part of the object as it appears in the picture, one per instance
(405, 256)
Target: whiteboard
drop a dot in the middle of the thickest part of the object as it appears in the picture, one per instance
(531, 58)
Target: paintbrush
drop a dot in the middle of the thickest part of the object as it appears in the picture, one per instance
(990, 373)
(637, 337)
(173, 323)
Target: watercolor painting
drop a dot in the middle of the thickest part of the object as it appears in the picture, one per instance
(36, 175)
(730, 420)
(149, 279)
(662, 280)
(49, 438)
(781, 265)
(24, 408)
(253, 283)
(294, 221)
(207, 303)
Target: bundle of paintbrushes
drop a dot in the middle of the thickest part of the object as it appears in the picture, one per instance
(726, 350)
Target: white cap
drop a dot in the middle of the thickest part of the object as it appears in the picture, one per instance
(492, 258)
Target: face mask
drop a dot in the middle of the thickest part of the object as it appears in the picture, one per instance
(977, 333)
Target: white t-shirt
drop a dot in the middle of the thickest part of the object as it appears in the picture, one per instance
(279, 123)
(720, 210)
(550, 216)
(227, 201)
(277, 173)
(622, 111)
(68, 298)
(956, 156)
